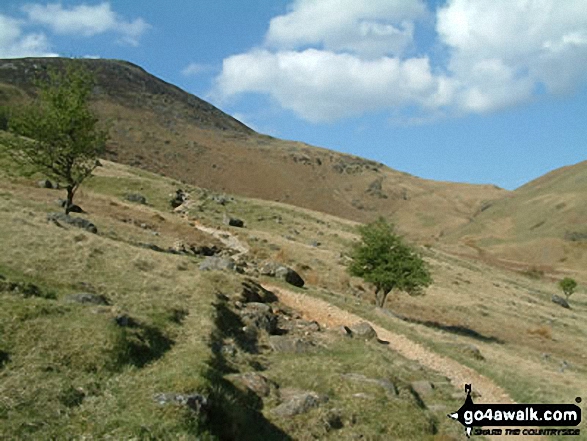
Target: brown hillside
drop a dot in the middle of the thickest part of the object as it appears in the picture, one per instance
(543, 223)
(159, 127)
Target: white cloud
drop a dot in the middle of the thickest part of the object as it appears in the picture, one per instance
(323, 86)
(86, 21)
(194, 69)
(369, 28)
(15, 44)
(501, 50)
(329, 59)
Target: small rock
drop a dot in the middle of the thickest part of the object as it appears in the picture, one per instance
(290, 276)
(387, 385)
(256, 382)
(45, 183)
(125, 321)
(363, 330)
(299, 403)
(87, 298)
(233, 221)
(282, 343)
(560, 301)
(75, 209)
(253, 292)
(472, 350)
(135, 197)
(196, 402)
(218, 264)
(260, 316)
(75, 221)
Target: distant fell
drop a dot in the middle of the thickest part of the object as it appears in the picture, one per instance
(159, 127)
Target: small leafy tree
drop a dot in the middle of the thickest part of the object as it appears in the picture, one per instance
(568, 286)
(383, 259)
(62, 138)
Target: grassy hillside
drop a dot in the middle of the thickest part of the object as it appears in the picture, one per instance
(160, 128)
(541, 224)
(170, 334)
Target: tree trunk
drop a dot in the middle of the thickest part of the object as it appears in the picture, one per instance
(69, 201)
(380, 296)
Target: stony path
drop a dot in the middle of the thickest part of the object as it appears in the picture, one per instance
(331, 316)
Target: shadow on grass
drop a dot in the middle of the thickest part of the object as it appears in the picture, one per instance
(234, 414)
(454, 329)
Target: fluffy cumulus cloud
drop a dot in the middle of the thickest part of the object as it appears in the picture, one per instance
(328, 59)
(371, 28)
(86, 20)
(15, 43)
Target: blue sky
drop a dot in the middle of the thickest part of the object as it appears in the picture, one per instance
(481, 91)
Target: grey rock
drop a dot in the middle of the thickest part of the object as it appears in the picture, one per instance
(363, 330)
(256, 382)
(299, 403)
(75, 221)
(74, 209)
(287, 344)
(260, 316)
(218, 264)
(204, 250)
(196, 402)
(254, 292)
(87, 298)
(560, 301)
(45, 183)
(290, 276)
(135, 197)
(387, 385)
(233, 222)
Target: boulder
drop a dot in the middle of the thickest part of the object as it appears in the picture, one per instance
(274, 269)
(253, 292)
(256, 383)
(363, 330)
(204, 250)
(387, 385)
(45, 183)
(259, 316)
(196, 402)
(298, 403)
(75, 221)
(218, 264)
(74, 209)
(560, 301)
(423, 388)
(233, 222)
(179, 198)
(135, 197)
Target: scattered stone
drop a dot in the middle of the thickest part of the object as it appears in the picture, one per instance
(345, 331)
(218, 264)
(560, 301)
(87, 298)
(274, 269)
(315, 243)
(179, 198)
(287, 344)
(196, 402)
(307, 326)
(75, 221)
(61, 203)
(387, 385)
(299, 403)
(233, 221)
(257, 383)
(363, 330)
(204, 250)
(46, 183)
(260, 316)
(135, 197)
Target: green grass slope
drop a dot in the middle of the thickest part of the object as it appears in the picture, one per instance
(542, 224)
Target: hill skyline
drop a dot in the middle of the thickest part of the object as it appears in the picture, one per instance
(508, 116)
